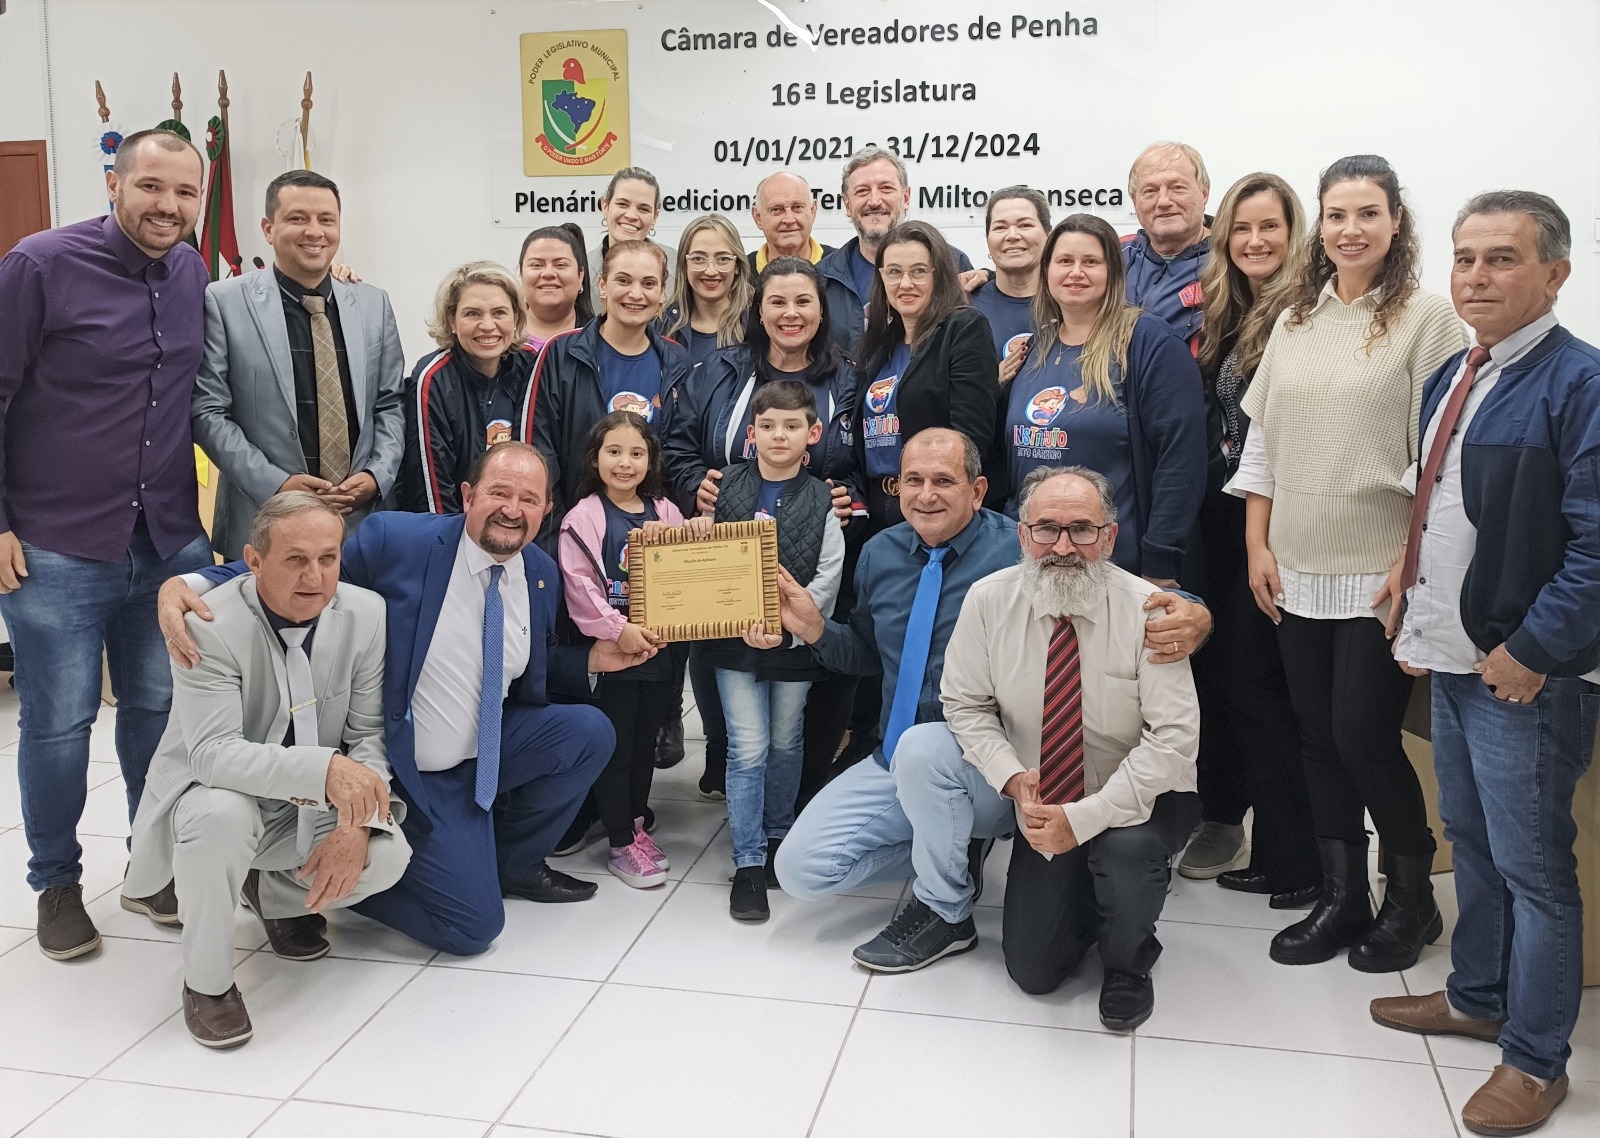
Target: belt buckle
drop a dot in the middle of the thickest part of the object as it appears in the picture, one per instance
(891, 486)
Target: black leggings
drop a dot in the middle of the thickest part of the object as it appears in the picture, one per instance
(637, 709)
(1350, 698)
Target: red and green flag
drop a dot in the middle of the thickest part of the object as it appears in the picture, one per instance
(219, 245)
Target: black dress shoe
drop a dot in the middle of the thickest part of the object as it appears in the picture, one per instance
(293, 938)
(1302, 898)
(549, 887)
(1126, 1000)
(216, 1021)
(669, 744)
(1244, 881)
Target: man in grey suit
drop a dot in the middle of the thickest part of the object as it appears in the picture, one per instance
(302, 383)
(271, 779)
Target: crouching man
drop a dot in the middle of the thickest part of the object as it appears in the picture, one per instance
(270, 780)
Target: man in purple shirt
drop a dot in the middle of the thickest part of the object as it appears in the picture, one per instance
(102, 337)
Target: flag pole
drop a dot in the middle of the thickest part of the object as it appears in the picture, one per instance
(305, 122)
(110, 138)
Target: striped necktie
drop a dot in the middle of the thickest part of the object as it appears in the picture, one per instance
(492, 694)
(1061, 739)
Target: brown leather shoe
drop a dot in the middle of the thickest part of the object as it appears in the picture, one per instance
(293, 938)
(1430, 1015)
(65, 930)
(216, 1021)
(1511, 1103)
(161, 906)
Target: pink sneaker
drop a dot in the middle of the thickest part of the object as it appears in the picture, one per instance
(635, 868)
(648, 844)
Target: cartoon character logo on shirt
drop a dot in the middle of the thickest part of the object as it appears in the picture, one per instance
(1017, 343)
(1043, 408)
(497, 431)
(879, 393)
(638, 404)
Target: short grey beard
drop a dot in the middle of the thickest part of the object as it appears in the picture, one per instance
(1063, 587)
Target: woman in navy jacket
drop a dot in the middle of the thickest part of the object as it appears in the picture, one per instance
(926, 359)
(786, 337)
(616, 362)
(1109, 387)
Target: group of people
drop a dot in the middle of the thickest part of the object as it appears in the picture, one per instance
(1136, 535)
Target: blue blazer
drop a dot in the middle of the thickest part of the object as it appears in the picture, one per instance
(406, 559)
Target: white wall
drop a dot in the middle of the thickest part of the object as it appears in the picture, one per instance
(1460, 98)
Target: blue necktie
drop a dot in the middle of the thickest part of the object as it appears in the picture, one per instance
(491, 696)
(914, 652)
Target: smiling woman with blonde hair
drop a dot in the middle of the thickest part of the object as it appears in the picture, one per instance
(711, 289)
(463, 398)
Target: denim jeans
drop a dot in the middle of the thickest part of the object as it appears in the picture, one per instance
(871, 825)
(67, 610)
(766, 741)
(1506, 776)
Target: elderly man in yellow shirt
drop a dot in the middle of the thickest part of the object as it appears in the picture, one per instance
(1050, 692)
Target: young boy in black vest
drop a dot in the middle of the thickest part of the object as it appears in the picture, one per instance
(763, 680)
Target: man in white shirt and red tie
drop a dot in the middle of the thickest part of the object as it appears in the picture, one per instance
(1502, 586)
(1051, 693)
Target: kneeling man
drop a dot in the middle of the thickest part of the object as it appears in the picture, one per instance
(271, 778)
(1049, 692)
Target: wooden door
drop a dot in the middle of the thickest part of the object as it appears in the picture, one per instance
(24, 191)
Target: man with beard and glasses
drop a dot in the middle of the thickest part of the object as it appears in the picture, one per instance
(492, 772)
(1048, 690)
(101, 335)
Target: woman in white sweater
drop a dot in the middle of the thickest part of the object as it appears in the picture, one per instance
(1328, 473)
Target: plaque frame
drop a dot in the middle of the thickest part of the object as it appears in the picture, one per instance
(764, 554)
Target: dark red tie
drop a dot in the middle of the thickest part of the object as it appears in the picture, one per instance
(1448, 418)
(1061, 738)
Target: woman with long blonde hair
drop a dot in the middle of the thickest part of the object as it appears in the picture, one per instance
(1249, 740)
(712, 287)
(1121, 386)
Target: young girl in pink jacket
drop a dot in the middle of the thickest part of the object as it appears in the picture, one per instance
(623, 489)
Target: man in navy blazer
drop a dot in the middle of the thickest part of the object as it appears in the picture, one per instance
(435, 574)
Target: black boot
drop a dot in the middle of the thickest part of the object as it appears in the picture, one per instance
(1343, 911)
(669, 743)
(1408, 919)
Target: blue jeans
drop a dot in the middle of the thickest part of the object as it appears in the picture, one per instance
(67, 610)
(1506, 776)
(766, 741)
(871, 825)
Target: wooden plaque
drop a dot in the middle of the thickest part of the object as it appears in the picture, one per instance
(708, 589)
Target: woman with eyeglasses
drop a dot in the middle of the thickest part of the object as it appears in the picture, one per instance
(629, 209)
(555, 282)
(1109, 387)
(786, 337)
(926, 359)
(711, 289)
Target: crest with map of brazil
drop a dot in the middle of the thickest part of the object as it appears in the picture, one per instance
(574, 103)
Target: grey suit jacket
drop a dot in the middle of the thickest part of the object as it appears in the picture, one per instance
(231, 711)
(244, 404)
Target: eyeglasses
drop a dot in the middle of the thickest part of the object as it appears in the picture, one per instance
(1079, 533)
(723, 261)
(894, 273)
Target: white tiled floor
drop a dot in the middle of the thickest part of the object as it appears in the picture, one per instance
(651, 1014)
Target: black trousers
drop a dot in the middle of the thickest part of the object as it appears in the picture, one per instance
(1249, 738)
(828, 708)
(637, 708)
(1350, 698)
(1109, 892)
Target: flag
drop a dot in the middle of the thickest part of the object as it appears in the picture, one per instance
(219, 245)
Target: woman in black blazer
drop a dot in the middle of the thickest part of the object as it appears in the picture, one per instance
(925, 360)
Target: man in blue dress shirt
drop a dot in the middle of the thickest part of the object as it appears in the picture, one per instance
(896, 816)
(102, 336)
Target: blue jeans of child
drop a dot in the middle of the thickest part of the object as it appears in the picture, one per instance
(67, 610)
(766, 742)
(1506, 775)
